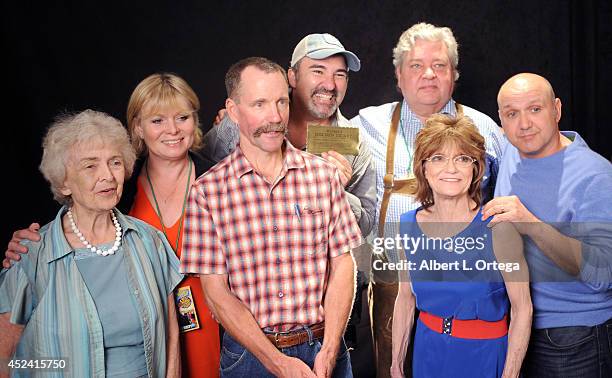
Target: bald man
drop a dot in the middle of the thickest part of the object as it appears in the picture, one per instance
(558, 194)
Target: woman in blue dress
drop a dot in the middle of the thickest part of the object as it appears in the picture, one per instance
(465, 278)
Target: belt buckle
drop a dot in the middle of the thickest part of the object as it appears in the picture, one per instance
(276, 334)
(447, 325)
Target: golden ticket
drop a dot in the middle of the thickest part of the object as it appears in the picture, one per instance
(344, 140)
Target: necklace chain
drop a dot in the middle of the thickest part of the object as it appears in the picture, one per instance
(158, 211)
(87, 244)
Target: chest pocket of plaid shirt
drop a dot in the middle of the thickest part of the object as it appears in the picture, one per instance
(309, 222)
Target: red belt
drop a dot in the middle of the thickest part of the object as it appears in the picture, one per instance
(466, 329)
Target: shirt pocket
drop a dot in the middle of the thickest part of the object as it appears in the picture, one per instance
(310, 230)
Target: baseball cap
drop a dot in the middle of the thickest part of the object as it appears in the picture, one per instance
(321, 46)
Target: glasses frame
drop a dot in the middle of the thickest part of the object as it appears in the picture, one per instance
(446, 160)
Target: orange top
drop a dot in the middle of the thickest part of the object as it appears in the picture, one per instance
(200, 349)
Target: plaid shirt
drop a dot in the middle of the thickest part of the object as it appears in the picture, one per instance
(274, 241)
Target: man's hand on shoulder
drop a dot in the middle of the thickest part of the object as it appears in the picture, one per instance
(14, 249)
(510, 209)
(219, 117)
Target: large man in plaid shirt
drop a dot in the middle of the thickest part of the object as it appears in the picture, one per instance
(269, 230)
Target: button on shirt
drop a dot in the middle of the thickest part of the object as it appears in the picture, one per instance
(46, 292)
(274, 240)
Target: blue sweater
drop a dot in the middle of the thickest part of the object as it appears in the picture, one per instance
(572, 191)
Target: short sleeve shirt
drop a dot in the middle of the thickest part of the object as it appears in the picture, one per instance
(273, 240)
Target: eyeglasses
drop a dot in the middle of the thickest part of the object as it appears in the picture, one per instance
(462, 161)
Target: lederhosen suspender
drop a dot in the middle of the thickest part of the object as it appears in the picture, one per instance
(391, 184)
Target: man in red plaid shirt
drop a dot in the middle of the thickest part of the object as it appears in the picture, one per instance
(269, 230)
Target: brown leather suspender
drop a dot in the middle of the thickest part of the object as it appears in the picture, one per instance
(391, 184)
(388, 179)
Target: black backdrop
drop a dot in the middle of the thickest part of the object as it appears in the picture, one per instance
(91, 55)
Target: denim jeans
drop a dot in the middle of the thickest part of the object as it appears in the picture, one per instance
(569, 352)
(236, 361)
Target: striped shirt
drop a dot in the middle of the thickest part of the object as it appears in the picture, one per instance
(273, 240)
(376, 121)
(46, 292)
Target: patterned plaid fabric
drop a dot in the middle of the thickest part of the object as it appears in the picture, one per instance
(273, 240)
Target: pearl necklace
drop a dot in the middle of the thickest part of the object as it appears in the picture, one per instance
(87, 244)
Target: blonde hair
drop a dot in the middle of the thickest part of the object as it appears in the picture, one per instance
(440, 130)
(158, 91)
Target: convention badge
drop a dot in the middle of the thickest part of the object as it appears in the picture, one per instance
(343, 140)
(186, 311)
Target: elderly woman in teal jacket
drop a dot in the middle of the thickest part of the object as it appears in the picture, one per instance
(93, 298)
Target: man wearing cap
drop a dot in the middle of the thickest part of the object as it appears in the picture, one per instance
(318, 78)
(425, 60)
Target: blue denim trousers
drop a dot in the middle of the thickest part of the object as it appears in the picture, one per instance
(569, 352)
(236, 361)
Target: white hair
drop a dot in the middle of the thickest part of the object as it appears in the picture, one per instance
(69, 130)
(427, 32)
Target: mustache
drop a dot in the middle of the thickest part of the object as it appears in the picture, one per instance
(269, 128)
